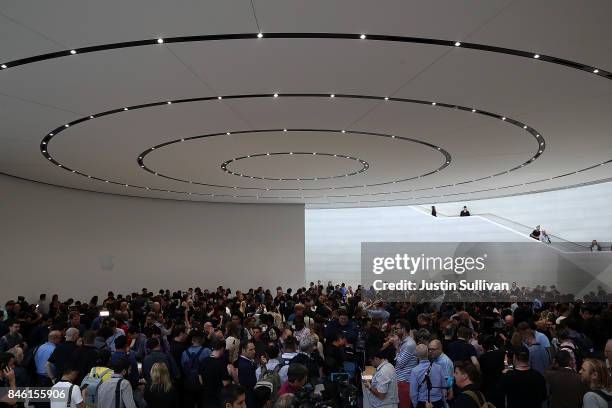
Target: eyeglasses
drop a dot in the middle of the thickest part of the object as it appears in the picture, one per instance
(432, 349)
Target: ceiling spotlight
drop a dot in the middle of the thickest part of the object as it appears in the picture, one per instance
(106, 181)
(525, 127)
(72, 52)
(504, 118)
(332, 96)
(91, 117)
(44, 151)
(182, 140)
(536, 56)
(169, 102)
(393, 137)
(457, 44)
(160, 40)
(228, 133)
(125, 109)
(433, 103)
(260, 35)
(362, 36)
(276, 95)
(541, 143)
(314, 153)
(3, 66)
(284, 130)
(290, 152)
(153, 148)
(44, 143)
(343, 131)
(50, 134)
(540, 151)
(473, 110)
(595, 71)
(49, 158)
(267, 154)
(386, 98)
(219, 97)
(66, 125)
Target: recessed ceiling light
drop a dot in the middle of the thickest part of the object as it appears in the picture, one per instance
(525, 127)
(125, 109)
(160, 40)
(49, 158)
(386, 98)
(169, 102)
(473, 110)
(284, 130)
(290, 152)
(44, 143)
(228, 133)
(362, 36)
(332, 96)
(504, 118)
(596, 71)
(50, 134)
(72, 52)
(91, 117)
(276, 95)
(182, 140)
(541, 143)
(540, 151)
(44, 151)
(219, 97)
(314, 153)
(343, 131)
(536, 56)
(457, 44)
(433, 103)
(106, 181)
(393, 137)
(260, 35)
(3, 66)
(66, 125)
(267, 154)
(153, 148)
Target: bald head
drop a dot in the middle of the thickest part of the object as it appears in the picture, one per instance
(435, 348)
(421, 352)
(55, 336)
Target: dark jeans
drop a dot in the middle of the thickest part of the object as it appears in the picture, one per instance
(43, 381)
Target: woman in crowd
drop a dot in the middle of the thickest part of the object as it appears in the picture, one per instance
(160, 393)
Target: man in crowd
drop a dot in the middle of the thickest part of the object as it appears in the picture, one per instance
(233, 396)
(45, 372)
(297, 376)
(382, 389)
(107, 391)
(63, 351)
(467, 378)
(523, 386)
(564, 384)
(12, 338)
(461, 350)
(405, 360)
(246, 371)
(427, 382)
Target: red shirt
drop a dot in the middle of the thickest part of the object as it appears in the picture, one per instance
(286, 388)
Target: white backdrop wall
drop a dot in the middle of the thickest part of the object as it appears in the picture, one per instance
(578, 214)
(76, 243)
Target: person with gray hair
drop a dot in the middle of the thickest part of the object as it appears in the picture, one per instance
(63, 352)
(284, 401)
(427, 382)
(307, 357)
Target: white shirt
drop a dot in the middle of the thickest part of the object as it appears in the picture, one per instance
(75, 398)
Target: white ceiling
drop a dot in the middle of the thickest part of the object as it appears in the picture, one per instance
(571, 108)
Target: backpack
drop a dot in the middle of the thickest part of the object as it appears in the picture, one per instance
(92, 382)
(270, 379)
(191, 370)
(477, 399)
(605, 397)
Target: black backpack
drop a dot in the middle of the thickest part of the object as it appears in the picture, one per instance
(191, 370)
(606, 397)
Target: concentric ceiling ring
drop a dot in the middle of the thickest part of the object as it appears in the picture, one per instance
(445, 162)
(364, 165)
(44, 146)
(338, 36)
(418, 40)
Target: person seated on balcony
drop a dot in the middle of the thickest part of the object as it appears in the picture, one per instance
(544, 237)
(535, 234)
(595, 246)
(465, 212)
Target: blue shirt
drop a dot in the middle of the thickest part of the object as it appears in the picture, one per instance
(418, 388)
(405, 360)
(447, 367)
(539, 359)
(42, 355)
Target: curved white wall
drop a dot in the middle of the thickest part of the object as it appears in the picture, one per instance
(77, 243)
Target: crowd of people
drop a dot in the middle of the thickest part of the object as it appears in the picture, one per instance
(320, 345)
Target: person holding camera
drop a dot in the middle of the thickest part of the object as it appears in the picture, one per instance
(382, 389)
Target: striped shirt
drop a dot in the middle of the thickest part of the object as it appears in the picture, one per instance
(405, 360)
